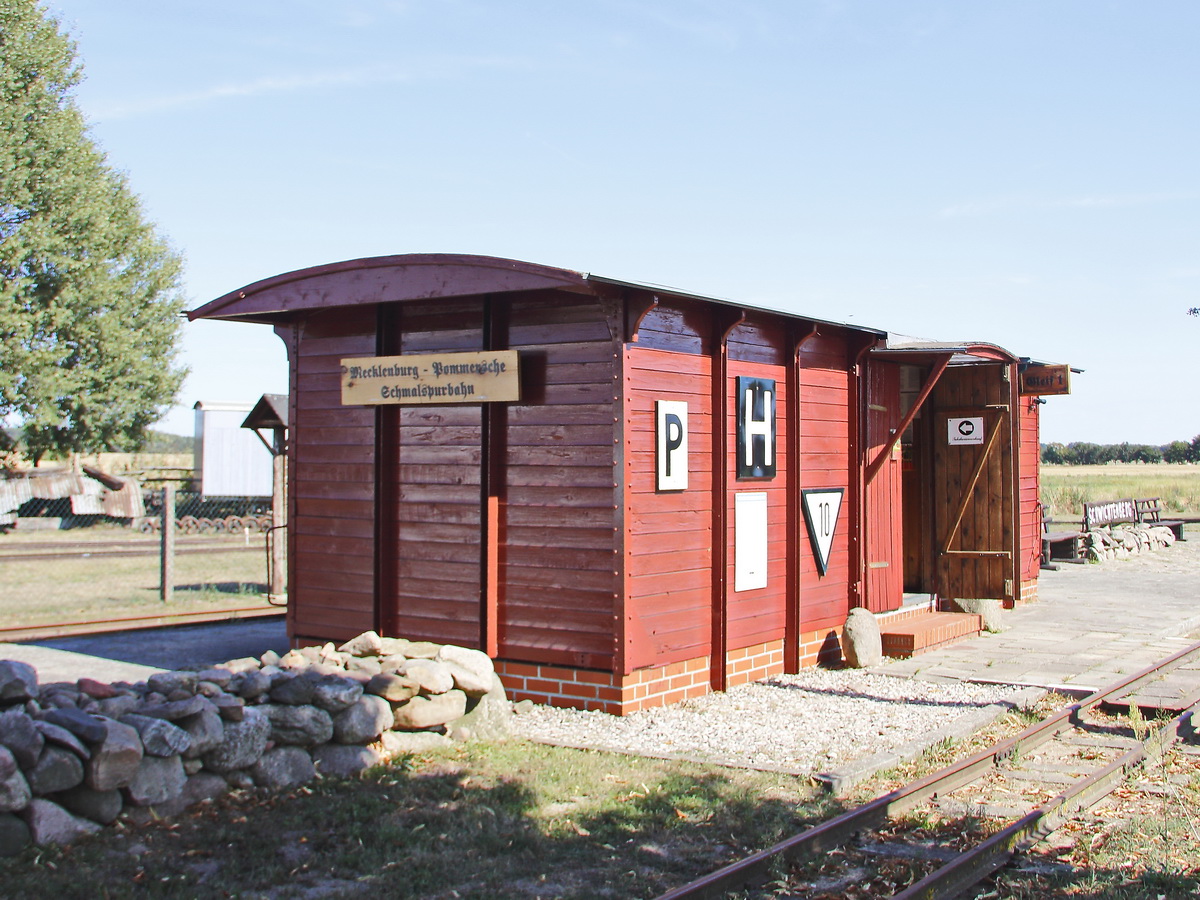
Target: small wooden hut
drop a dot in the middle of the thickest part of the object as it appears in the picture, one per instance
(627, 494)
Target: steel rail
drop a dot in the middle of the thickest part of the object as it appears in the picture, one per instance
(135, 623)
(976, 864)
(120, 554)
(837, 830)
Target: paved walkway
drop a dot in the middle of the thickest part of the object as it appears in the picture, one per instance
(1092, 625)
(135, 655)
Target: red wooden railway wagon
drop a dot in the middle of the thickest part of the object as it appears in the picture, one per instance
(678, 494)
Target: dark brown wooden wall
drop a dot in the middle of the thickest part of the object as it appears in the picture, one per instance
(560, 496)
(332, 480)
(431, 460)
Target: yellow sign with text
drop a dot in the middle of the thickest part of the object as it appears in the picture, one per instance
(1043, 380)
(431, 378)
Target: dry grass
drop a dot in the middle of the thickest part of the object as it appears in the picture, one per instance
(1066, 488)
(46, 591)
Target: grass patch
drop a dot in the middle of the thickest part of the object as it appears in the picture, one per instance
(511, 820)
(1066, 488)
(46, 591)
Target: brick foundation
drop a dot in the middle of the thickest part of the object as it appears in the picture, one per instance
(658, 686)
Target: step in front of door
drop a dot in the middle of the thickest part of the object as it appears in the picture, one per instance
(921, 633)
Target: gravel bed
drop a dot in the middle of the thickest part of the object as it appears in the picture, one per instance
(814, 721)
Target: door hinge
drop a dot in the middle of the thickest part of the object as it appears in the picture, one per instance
(1008, 587)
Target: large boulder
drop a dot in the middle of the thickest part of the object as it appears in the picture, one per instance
(334, 693)
(987, 609)
(20, 735)
(242, 743)
(18, 681)
(302, 725)
(14, 789)
(14, 835)
(116, 759)
(159, 737)
(862, 644)
(363, 722)
(282, 767)
(433, 677)
(344, 760)
(420, 713)
(56, 770)
(49, 823)
(488, 719)
(472, 670)
(99, 806)
(160, 779)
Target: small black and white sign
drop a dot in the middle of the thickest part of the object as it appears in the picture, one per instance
(964, 431)
(821, 508)
(671, 443)
(755, 427)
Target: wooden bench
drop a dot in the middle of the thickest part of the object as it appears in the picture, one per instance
(1149, 510)
(1061, 545)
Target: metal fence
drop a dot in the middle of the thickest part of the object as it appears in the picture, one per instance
(66, 567)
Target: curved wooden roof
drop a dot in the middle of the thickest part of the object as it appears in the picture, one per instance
(384, 279)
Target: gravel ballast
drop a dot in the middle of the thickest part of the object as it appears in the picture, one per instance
(815, 721)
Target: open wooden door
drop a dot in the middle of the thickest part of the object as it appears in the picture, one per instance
(974, 528)
(884, 539)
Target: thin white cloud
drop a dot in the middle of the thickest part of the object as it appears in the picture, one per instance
(1000, 205)
(363, 76)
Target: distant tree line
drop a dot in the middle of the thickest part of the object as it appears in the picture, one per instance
(1082, 453)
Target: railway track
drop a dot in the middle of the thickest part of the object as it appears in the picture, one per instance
(942, 834)
(132, 623)
(125, 548)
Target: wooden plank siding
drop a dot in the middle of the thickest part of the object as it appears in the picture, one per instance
(987, 523)
(883, 537)
(757, 616)
(559, 596)
(431, 458)
(826, 388)
(331, 530)
(1029, 487)
(668, 553)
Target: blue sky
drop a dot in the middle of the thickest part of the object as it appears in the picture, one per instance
(1024, 173)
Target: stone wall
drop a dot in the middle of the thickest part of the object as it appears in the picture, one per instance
(1122, 541)
(77, 756)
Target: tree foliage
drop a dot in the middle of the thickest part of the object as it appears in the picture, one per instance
(89, 293)
(1083, 453)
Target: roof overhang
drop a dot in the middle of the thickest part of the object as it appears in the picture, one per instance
(961, 353)
(423, 276)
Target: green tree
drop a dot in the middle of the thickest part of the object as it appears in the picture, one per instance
(89, 293)
(1177, 452)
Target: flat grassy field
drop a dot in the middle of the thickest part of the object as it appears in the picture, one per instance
(74, 589)
(1066, 488)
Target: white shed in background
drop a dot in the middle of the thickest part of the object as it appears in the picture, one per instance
(231, 461)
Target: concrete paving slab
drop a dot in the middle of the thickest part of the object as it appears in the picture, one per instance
(1092, 625)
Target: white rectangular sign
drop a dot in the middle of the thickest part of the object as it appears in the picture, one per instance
(749, 541)
(965, 431)
(671, 444)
